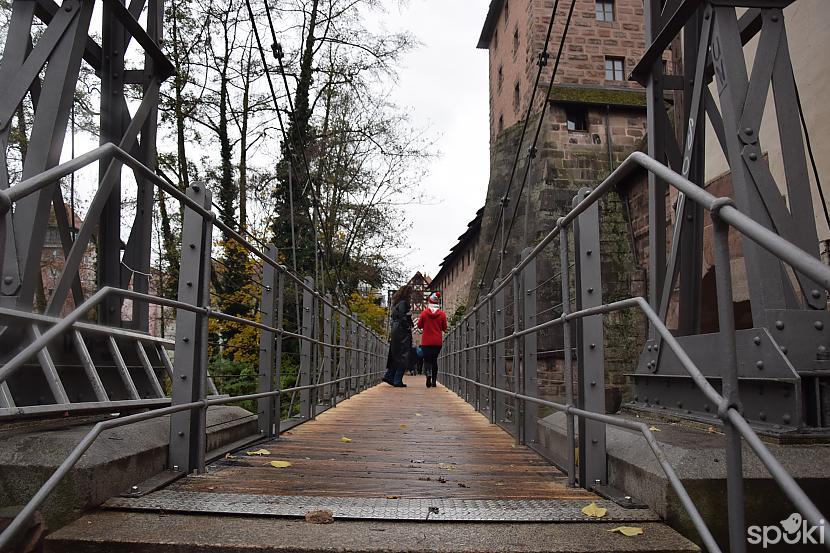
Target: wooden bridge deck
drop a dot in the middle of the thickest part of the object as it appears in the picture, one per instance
(409, 442)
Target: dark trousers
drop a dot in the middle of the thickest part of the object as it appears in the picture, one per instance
(431, 362)
(393, 375)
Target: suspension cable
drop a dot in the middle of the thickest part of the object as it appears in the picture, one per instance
(542, 62)
(532, 152)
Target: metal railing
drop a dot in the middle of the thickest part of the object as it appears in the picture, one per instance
(338, 355)
(465, 342)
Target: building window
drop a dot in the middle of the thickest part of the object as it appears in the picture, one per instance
(516, 40)
(614, 69)
(605, 10)
(501, 123)
(500, 79)
(516, 98)
(577, 117)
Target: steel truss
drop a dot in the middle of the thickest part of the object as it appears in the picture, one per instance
(91, 368)
(782, 359)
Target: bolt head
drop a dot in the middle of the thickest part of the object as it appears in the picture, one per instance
(819, 325)
(753, 156)
(134, 488)
(816, 294)
(779, 325)
(757, 340)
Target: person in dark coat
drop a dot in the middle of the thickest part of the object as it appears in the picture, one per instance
(400, 339)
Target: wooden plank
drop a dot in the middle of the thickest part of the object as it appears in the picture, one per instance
(409, 442)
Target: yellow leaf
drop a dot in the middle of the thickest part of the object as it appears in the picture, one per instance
(393, 497)
(655, 429)
(280, 464)
(403, 426)
(258, 452)
(418, 415)
(345, 440)
(593, 511)
(629, 531)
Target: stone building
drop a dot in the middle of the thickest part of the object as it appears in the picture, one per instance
(456, 273)
(595, 118)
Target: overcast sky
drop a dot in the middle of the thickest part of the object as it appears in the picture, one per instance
(444, 84)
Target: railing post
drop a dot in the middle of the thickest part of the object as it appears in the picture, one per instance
(500, 367)
(488, 352)
(567, 352)
(726, 324)
(341, 354)
(530, 410)
(306, 399)
(481, 357)
(474, 359)
(592, 460)
(187, 428)
(354, 383)
(265, 406)
(327, 351)
(518, 371)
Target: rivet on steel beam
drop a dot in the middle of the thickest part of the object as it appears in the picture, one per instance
(189, 283)
(774, 18)
(176, 468)
(593, 383)
(819, 325)
(753, 156)
(762, 416)
(593, 346)
(192, 246)
(760, 365)
(757, 340)
(779, 325)
(748, 131)
(134, 489)
(183, 376)
(196, 187)
(589, 252)
(784, 350)
(815, 293)
(593, 441)
(786, 418)
(8, 280)
(590, 290)
(185, 339)
(181, 434)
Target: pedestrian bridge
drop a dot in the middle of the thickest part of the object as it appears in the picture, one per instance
(410, 455)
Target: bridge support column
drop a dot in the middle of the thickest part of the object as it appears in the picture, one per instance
(328, 390)
(592, 461)
(187, 429)
(528, 383)
(269, 360)
(500, 364)
(306, 397)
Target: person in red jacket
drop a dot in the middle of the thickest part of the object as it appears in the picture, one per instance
(433, 321)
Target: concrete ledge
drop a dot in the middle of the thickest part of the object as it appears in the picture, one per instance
(698, 457)
(118, 459)
(117, 532)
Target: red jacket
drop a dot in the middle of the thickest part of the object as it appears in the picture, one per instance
(433, 325)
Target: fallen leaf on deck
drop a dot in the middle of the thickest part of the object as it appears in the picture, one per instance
(393, 497)
(418, 415)
(462, 485)
(442, 479)
(229, 456)
(258, 452)
(593, 510)
(319, 517)
(280, 464)
(712, 430)
(403, 426)
(446, 466)
(424, 478)
(629, 531)
(345, 440)
(655, 429)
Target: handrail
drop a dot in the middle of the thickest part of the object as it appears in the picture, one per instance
(86, 442)
(654, 445)
(114, 152)
(724, 214)
(722, 206)
(74, 316)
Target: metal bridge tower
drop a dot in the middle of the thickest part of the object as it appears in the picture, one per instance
(783, 355)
